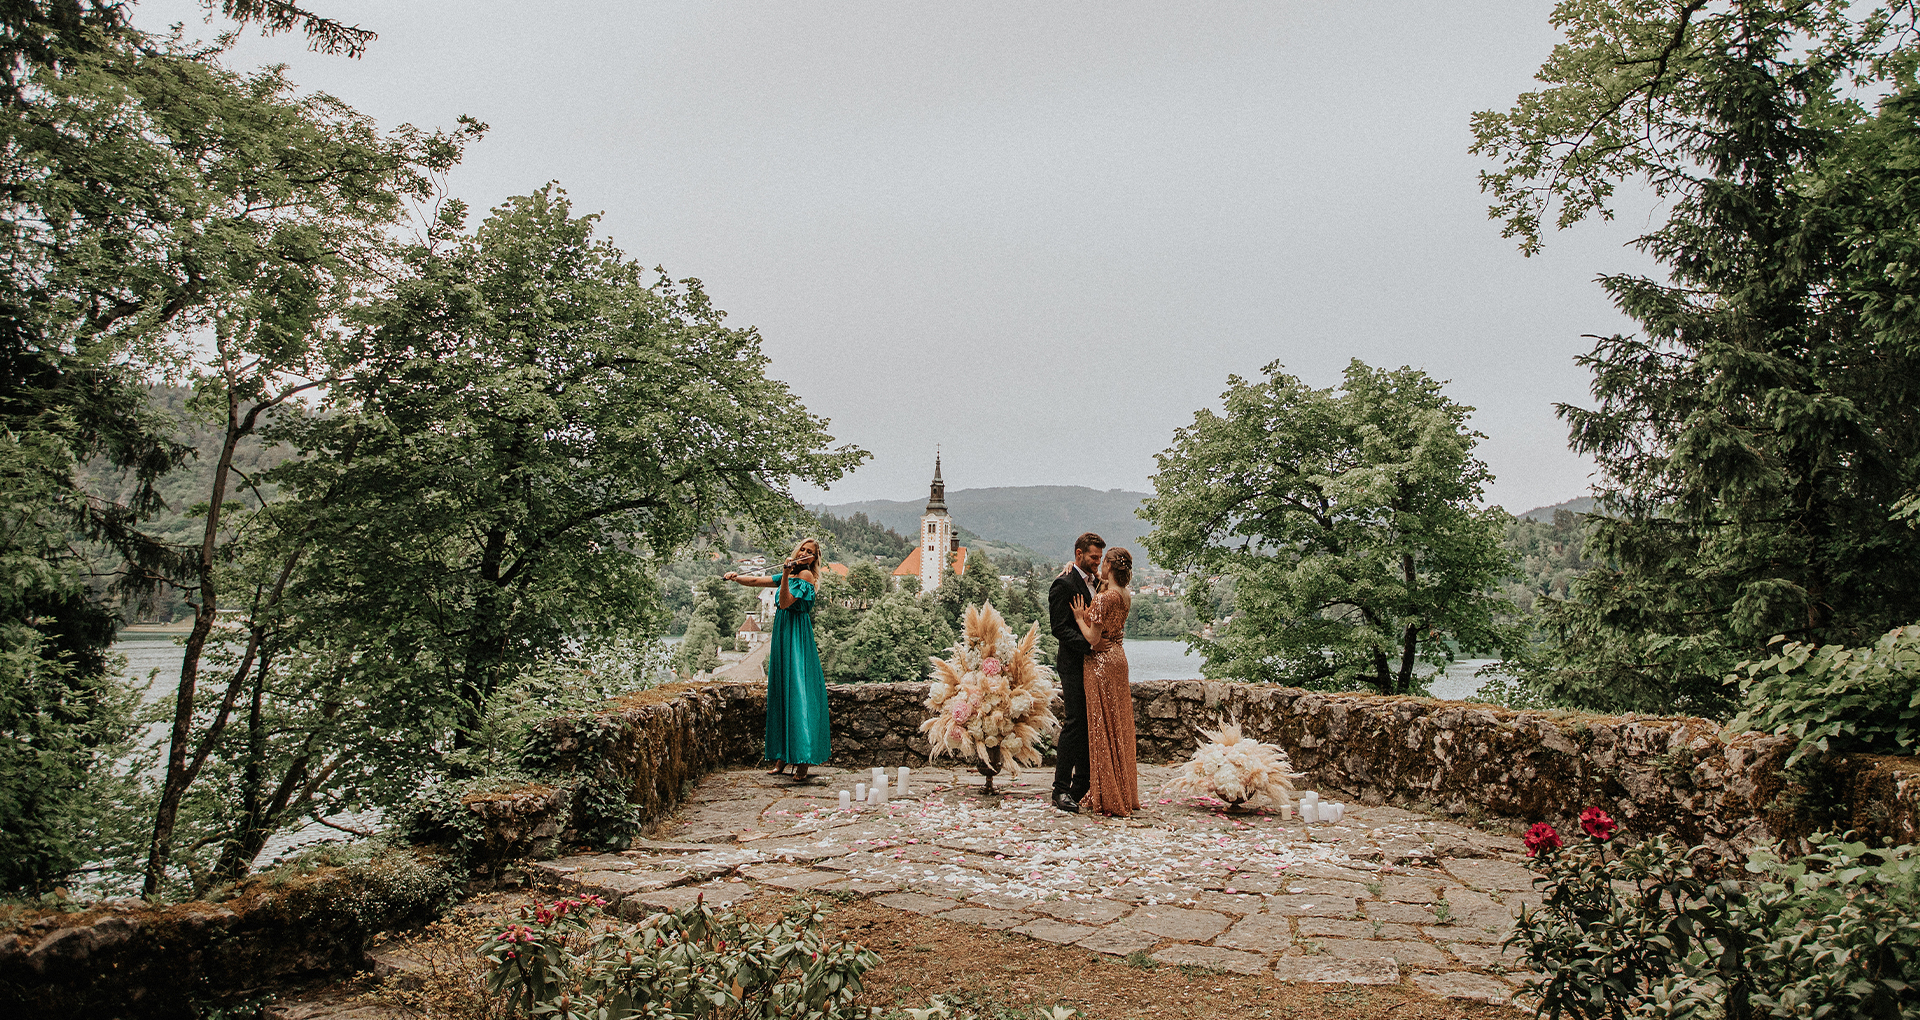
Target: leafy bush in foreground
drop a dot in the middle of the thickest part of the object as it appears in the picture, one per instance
(695, 962)
(1837, 699)
(1637, 931)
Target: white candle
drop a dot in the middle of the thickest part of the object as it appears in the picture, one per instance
(1309, 811)
(879, 777)
(1339, 811)
(904, 773)
(845, 800)
(860, 792)
(880, 794)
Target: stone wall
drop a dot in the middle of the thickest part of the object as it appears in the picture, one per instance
(1881, 795)
(128, 959)
(1676, 775)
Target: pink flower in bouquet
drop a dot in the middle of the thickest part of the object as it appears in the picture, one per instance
(990, 667)
(962, 711)
(1597, 824)
(1541, 838)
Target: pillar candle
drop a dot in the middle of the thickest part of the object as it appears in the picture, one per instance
(846, 801)
(860, 792)
(904, 773)
(879, 778)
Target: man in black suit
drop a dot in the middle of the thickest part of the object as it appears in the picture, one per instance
(1070, 778)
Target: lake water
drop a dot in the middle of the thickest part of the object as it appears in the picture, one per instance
(148, 652)
(1170, 660)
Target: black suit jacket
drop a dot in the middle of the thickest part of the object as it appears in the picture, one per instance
(1073, 644)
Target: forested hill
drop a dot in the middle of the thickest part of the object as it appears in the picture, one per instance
(1044, 518)
(1577, 505)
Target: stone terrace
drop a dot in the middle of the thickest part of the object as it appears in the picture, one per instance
(1388, 896)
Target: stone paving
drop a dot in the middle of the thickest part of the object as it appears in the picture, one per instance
(1384, 897)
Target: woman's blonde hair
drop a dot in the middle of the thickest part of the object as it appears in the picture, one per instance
(806, 542)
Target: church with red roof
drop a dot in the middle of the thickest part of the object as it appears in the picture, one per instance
(936, 541)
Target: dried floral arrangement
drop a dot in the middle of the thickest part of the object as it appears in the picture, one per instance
(1237, 769)
(990, 698)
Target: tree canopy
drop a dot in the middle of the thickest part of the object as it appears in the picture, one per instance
(1346, 520)
(1754, 437)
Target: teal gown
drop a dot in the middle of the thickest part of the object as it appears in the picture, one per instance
(797, 730)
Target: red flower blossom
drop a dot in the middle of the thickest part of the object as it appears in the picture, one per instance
(1541, 838)
(1597, 824)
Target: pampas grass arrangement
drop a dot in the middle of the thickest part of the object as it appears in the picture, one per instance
(990, 699)
(1237, 769)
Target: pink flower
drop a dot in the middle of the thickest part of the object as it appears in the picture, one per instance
(961, 713)
(990, 667)
(1597, 824)
(1541, 838)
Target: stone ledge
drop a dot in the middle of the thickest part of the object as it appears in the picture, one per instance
(130, 959)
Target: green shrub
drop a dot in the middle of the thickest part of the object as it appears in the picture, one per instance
(439, 815)
(696, 962)
(1837, 699)
(579, 753)
(1638, 931)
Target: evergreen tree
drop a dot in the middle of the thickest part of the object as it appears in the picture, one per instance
(1754, 438)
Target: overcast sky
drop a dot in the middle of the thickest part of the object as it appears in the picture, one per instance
(1040, 235)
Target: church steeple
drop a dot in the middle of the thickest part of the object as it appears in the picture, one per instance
(937, 495)
(938, 545)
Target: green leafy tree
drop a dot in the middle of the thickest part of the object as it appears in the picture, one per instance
(699, 649)
(290, 248)
(1755, 437)
(724, 603)
(978, 585)
(1160, 617)
(64, 718)
(541, 427)
(892, 641)
(866, 581)
(172, 217)
(1345, 518)
(1548, 557)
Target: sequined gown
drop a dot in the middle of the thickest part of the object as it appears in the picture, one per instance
(1110, 741)
(797, 730)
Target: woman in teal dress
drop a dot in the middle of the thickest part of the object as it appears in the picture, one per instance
(797, 730)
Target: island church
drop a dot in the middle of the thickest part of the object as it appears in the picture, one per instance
(936, 540)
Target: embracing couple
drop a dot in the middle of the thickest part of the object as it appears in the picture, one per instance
(1087, 612)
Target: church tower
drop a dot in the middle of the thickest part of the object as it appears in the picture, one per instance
(936, 532)
(937, 541)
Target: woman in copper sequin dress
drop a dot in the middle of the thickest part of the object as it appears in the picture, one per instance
(1110, 742)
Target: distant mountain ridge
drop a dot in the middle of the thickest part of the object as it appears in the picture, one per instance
(1043, 518)
(1047, 518)
(1578, 505)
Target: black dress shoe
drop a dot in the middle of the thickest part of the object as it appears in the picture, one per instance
(1065, 802)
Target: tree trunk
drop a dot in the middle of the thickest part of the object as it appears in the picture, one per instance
(1410, 637)
(484, 644)
(174, 787)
